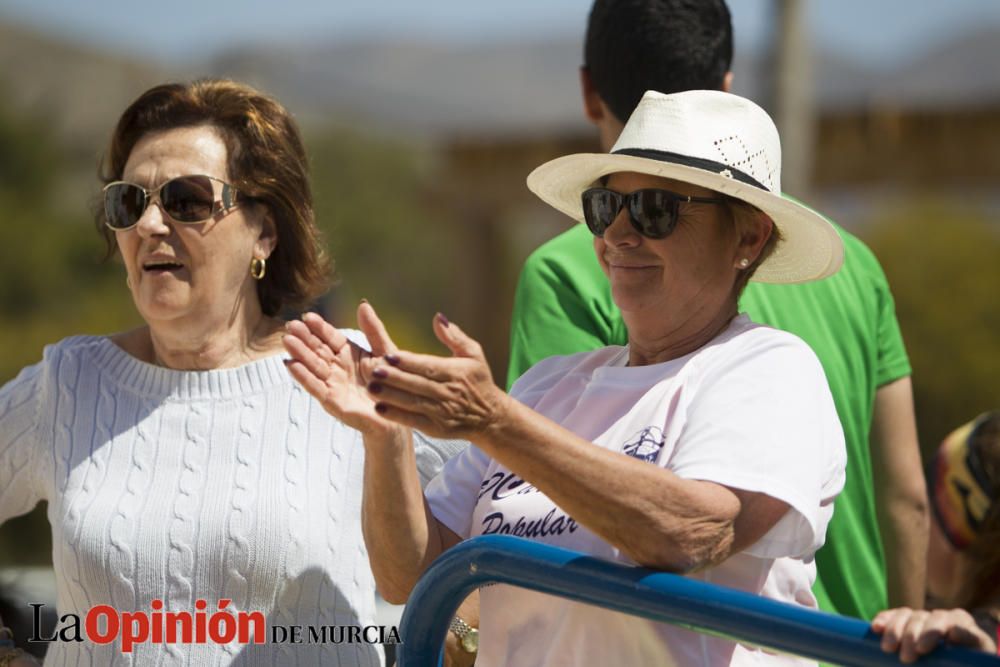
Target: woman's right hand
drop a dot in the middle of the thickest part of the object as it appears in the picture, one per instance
(915, 632)
(332, 369)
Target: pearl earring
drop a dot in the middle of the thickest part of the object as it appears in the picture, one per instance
(744, 263)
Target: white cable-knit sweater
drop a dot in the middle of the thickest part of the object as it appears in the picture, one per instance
(184, 485)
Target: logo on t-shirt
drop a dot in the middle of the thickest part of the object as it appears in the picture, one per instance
(645, 444)
(506, 490)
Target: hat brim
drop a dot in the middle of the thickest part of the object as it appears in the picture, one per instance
(810, 247)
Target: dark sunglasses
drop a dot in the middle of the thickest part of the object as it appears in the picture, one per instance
(652, 212)
(185, 199)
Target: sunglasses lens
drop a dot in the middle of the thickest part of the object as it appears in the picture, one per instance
(653, 212)
(600, 207)
(188, 199)
(123, 205)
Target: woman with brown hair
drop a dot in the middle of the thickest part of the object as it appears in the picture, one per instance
(185, 471)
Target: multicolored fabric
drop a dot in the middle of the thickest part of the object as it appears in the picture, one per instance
(961, 493)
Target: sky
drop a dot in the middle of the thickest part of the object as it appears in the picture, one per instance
(878, 33)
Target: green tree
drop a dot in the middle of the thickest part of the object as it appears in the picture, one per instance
(942, 262)
(371, 203)
(52, 283)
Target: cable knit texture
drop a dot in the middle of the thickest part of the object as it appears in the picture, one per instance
(182, 486)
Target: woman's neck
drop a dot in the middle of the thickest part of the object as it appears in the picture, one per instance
(654, 342)
(206, 343)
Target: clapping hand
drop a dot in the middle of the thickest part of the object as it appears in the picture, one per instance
(335, 371)
(445, 397)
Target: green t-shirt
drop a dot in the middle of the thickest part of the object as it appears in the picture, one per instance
(563, 305)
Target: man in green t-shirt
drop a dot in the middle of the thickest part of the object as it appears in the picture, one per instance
(875, 551)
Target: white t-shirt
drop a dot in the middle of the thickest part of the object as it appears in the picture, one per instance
(750, 410)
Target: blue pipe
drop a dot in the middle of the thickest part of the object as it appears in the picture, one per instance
(655, 595)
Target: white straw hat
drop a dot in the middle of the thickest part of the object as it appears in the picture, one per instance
(715, 140)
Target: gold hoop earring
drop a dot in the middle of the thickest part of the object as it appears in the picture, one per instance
(258, 267)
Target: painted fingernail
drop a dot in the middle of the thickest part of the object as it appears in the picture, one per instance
(381, 408)
(443, 320)
(392, 359)
(288, 362)
(380, 373)
(374, 387)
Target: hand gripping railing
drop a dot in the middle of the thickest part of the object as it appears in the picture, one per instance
(655, 595)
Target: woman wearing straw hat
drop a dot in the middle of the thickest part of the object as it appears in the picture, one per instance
(708, 445)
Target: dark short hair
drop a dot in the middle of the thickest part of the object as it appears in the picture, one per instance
(266, 162)
(665, 45)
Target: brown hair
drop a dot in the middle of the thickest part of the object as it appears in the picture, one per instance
(744, 217)
(266, 162)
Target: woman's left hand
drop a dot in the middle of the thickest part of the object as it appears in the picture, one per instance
(443, 397)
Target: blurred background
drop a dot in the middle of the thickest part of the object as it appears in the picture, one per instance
(423, 119)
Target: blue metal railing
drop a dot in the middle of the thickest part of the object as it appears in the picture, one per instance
(655, 595)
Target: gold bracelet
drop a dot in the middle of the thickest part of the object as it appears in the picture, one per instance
(11, 656)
